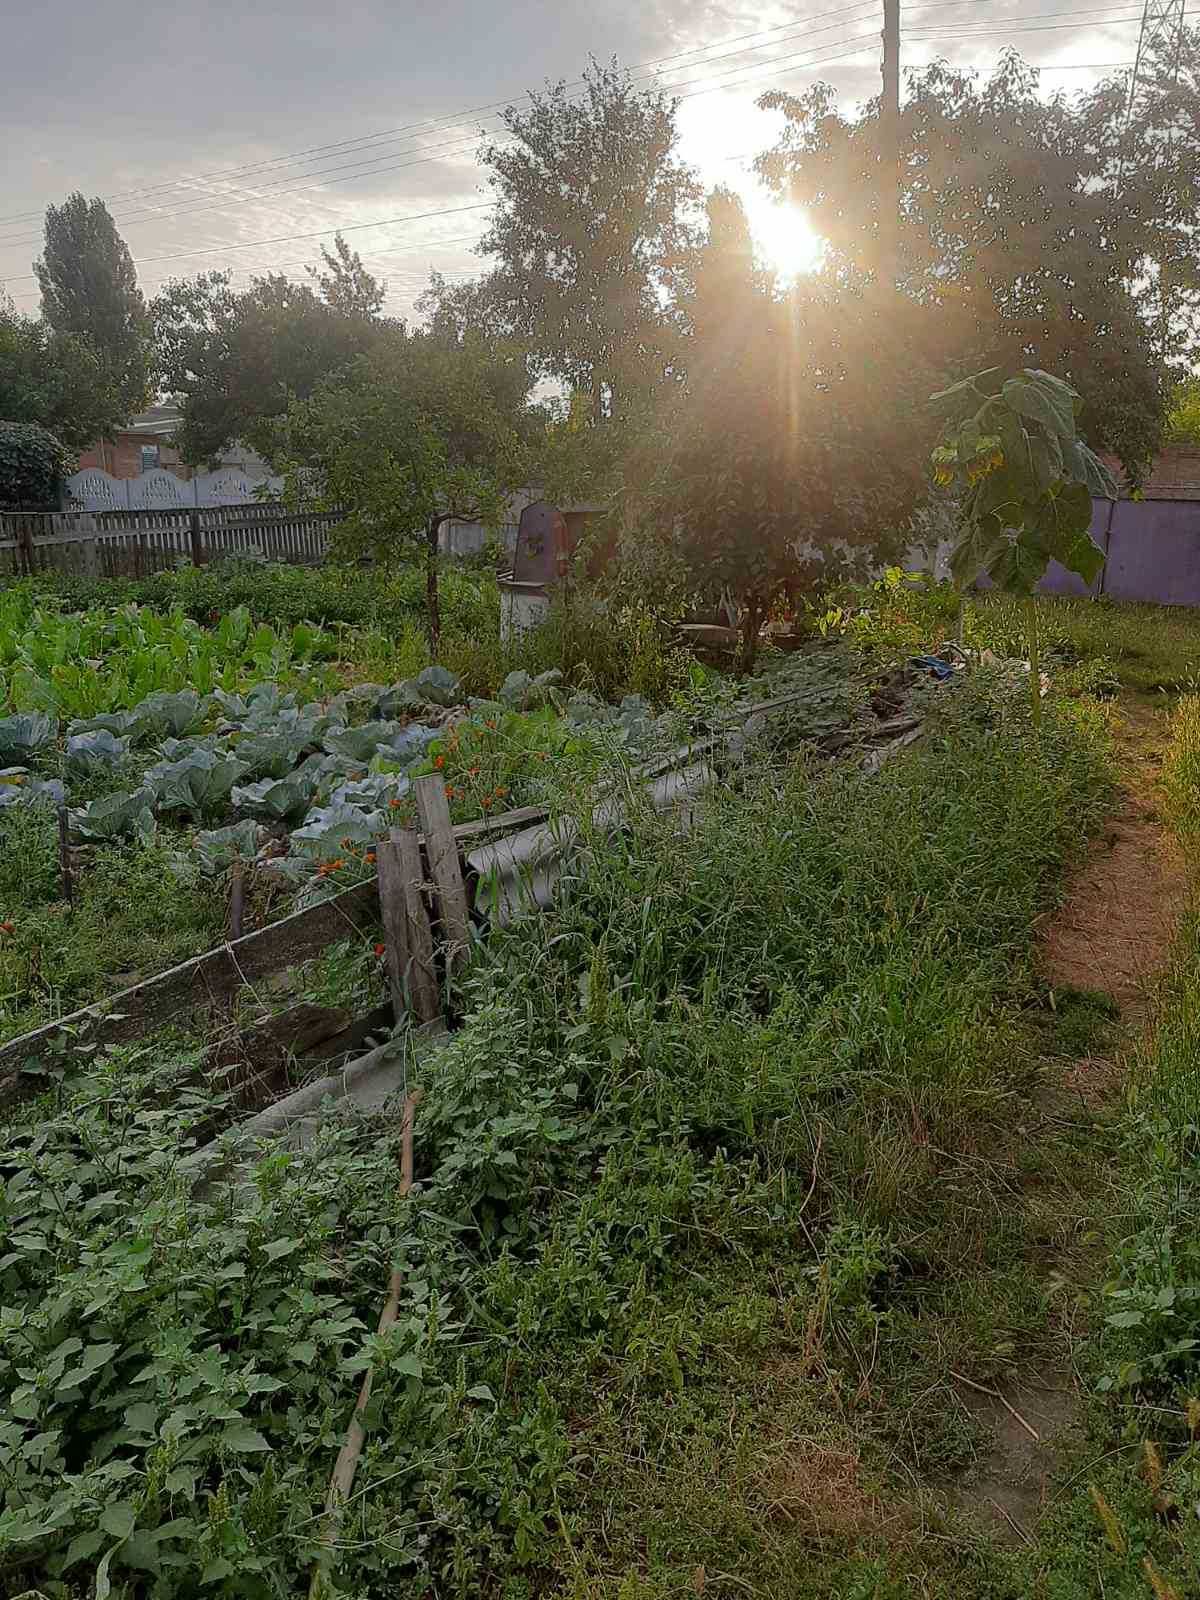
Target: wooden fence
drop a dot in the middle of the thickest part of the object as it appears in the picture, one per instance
(110, 544)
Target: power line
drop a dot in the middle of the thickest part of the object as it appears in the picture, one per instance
(372, 169)
(742, 76)
(450, 119)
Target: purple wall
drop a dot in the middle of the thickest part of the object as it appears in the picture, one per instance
(1154, 552)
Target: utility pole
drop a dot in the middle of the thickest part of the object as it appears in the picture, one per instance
(889, 148)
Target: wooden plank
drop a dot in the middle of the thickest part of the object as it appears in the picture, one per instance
(441, 850)
(422, 976)
(394, 913)
(203, 980)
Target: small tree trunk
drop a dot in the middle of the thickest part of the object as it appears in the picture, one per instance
(1035, 670)
(752, 615)
(433, 610)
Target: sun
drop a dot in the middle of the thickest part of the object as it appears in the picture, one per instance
(784, 239)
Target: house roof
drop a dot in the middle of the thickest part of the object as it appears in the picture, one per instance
(1173, 475)
(155, 420)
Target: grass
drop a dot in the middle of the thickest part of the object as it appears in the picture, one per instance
(722, 1174)
(1101, 644)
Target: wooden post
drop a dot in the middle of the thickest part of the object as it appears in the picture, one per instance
(395, 920)
(237, 897)
(194, 535)
(64, 856)
(442, 853)
(422, 976)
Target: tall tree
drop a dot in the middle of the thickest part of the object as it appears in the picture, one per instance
(345, 285)
(1151, 164)
(793, 452)
(236, 359)
(590, 230)
(55, 380)
(89, 290)
(1008, 232)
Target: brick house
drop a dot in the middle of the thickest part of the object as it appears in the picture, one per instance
(144, 443)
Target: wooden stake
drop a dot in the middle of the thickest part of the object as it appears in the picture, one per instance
(395, 920)
(237, 897)
(342, 1481)
(64, 856)
(444, 869)
(421, 974)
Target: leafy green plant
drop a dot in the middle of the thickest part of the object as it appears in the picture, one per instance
(200, 781)
(33, 467)
(1026, 480)
(24, 735)
(114, 816)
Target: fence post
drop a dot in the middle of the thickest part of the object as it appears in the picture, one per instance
(25, 541)
(194, 531)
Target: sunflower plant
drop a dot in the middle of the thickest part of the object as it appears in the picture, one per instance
(1013, 455)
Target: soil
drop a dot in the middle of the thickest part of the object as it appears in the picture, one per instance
(1111, 936)
(1114, 931)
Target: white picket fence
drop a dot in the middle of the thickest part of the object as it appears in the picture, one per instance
(159, 490)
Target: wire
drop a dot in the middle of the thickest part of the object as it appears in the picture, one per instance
(449, 119)
(742, 75)
(372, 168)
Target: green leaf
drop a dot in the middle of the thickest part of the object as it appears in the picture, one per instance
(82, 1546)
(964, 386)
(103, 1581)
(1060, 528)
(141, 1552)
(1086, 467)
(1125, 1319)
(1049, 404)
(243, 1438)
(1019, 568)
(480, 1391)
(119, 1518)
(976, 548)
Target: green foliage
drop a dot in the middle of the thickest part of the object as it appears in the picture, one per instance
(235, 357)
(774, 466)
(89, 291)
(1025, 478)
(406, 443)
(1038, 291)
(54, 379)
(1181, 771)
(48, 656)
(672, 1140)
(33, 466)
(138, 909)
(590, 232)
(1183, 419)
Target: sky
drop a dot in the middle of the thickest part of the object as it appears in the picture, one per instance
(219, 133)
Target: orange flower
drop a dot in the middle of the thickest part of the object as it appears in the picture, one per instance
(395, 802)
(449, 791)
(474, 773)
(369, 858)
(439, 761)
(8, 927)
(501, 793)
(380, 949)
(486, 801)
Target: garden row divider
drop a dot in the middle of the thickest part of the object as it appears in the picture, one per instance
(206, 980)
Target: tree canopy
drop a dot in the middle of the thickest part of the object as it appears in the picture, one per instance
(235, 359)
(1009, 232)
(418, 433)
(56, 380)
(89, 291)
(591, 225)
(794, 450)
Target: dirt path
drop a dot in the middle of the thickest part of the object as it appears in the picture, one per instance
(1111, 936)
(1114, 931)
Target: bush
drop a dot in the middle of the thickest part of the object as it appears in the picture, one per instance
(33, 465)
